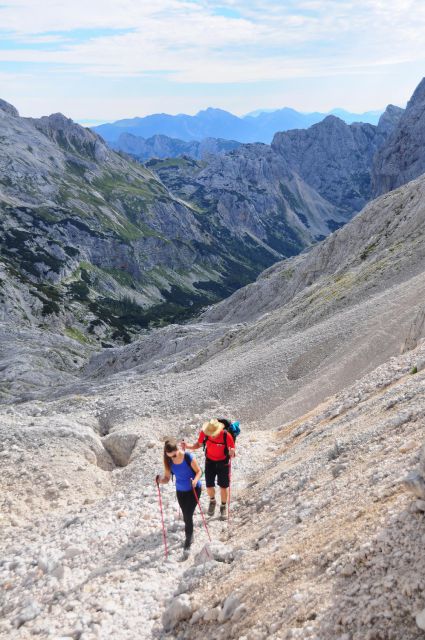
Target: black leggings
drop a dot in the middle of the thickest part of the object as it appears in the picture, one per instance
(187, 502)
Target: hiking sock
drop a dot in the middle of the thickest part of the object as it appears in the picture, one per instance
(211, 506)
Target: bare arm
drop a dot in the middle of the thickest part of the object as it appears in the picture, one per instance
(195, 466)
(166, 477)
(190, 447)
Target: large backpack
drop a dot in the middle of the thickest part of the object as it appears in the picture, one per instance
(231, 427)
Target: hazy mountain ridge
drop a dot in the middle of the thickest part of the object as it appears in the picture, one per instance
(217, 123)
(160, 146)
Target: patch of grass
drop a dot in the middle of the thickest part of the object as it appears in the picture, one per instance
(368, 250)
(120, 275)
(77, 335)
(287, 274)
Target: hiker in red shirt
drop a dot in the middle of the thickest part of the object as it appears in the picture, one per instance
(219, 448)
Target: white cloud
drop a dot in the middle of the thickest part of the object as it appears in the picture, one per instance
(211, 42)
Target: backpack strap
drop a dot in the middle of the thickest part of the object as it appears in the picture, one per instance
(204, 445)
(226, 448)
(188, 460)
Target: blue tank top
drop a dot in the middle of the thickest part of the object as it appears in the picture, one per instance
(184, 474)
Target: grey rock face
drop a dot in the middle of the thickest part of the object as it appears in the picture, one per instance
(254, 187)
(72, 137)
(402, 158)
(391, 226)
(334, 158)
(120, 447)
(390, 119)
(8, 108)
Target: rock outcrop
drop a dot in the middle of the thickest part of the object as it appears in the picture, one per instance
(402, 158)
(335, 158)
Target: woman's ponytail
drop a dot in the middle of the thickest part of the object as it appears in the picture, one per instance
(170, 445)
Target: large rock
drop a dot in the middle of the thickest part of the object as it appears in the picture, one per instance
(179, 609)
(214, 551)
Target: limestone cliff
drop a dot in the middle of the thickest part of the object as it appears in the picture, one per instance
(402, 158)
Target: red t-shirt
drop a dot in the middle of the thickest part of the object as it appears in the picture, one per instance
(216, 446)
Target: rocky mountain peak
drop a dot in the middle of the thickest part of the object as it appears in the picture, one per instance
(402, 158)
(390, 119)
(333, 121)
(8, 108)
(418, 97)
(334, 158)
(72, 136)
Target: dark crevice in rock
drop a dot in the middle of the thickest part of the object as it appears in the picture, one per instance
(120, 446)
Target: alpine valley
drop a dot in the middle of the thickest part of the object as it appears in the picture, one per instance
(282, 285)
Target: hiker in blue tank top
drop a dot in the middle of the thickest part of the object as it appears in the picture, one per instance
(187, 473)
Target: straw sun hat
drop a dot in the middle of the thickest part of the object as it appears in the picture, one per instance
(212, 428)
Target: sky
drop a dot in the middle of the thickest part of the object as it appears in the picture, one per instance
(102, 60)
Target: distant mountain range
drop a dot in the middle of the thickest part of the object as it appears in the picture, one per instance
(100, 247)
(216, 123)
(162, 147)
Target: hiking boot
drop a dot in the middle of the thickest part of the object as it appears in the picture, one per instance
(223, 510)
(211, 507)
(187, 543)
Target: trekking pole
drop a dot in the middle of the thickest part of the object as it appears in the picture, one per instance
(230, 484)
(202, 513)
(164, 536)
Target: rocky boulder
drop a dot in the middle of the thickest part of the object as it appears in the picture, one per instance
(179, 609)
